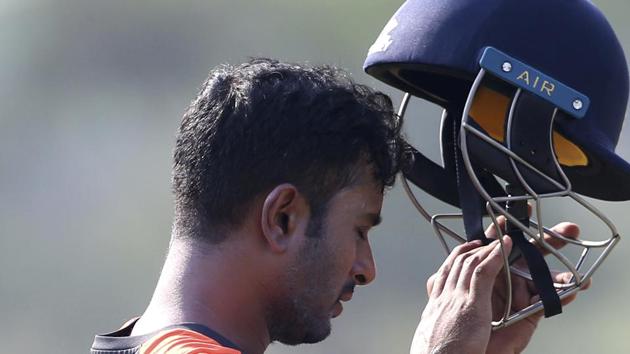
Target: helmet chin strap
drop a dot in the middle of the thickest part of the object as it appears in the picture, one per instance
(470, 201)
(541, 276)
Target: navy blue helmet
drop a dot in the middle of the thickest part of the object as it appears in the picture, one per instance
(534, 95)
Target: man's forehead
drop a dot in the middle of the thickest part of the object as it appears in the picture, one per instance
(365, 199)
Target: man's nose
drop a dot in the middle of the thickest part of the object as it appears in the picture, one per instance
(364, 268)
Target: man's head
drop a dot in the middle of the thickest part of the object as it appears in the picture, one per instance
(299, 156)
(264, 123)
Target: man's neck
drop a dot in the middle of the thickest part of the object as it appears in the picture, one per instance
(212, 288)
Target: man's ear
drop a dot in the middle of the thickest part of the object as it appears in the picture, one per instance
(285, 214)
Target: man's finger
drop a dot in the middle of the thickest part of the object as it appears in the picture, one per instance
(470, 263)
(566, 229)
(567, 277)
(435, 285)
(461, 262)
(491, 231)
(563, 278)
(484, 275)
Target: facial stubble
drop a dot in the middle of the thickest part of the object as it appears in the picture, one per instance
(304, 314)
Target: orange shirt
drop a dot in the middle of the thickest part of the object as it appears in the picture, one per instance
(183, 341)
(185, 338)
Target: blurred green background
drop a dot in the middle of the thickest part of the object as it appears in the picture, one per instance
(91, 93)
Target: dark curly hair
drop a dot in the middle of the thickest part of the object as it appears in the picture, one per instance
(263, 123)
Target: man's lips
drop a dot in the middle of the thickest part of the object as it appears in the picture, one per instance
(338, 308)
(346, 297)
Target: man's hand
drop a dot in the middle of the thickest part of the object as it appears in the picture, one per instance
(465, 295)
(458, 314)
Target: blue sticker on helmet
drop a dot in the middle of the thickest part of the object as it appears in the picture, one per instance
(534, 81)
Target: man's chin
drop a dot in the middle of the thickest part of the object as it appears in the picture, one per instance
(314, 334)
(317, 336)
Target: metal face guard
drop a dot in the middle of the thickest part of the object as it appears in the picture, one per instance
(496, 205)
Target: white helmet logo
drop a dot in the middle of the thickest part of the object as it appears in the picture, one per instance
(384, 39)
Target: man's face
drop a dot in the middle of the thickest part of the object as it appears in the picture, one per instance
(335, 257)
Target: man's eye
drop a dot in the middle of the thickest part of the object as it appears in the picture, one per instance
(362, 234)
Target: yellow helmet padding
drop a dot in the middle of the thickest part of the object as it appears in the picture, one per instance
(489, 110)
